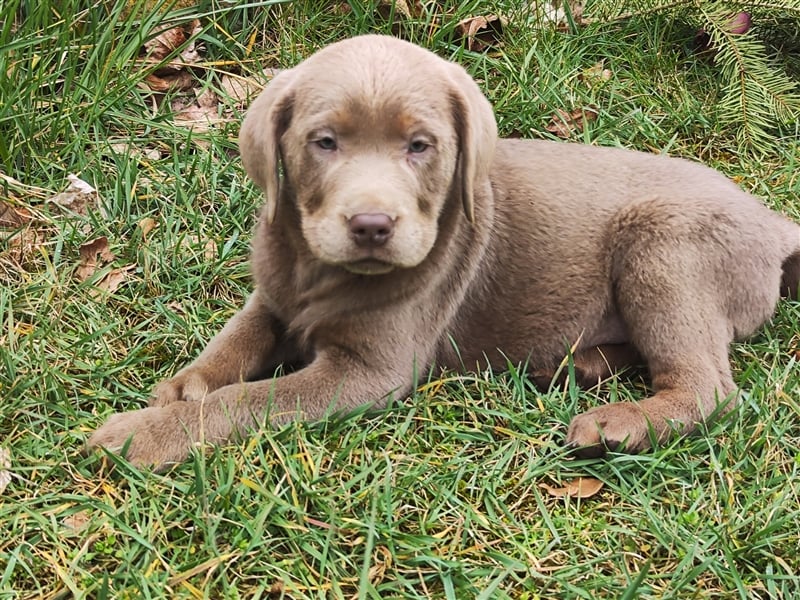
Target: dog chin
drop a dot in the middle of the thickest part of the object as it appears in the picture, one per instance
(369, 266)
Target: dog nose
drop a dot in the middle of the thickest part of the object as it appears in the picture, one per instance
(370, 229)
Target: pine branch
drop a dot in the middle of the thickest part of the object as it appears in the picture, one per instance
(757, 96)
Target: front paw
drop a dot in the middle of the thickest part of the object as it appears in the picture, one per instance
(190, 385)
(155, 437)
(619, 426)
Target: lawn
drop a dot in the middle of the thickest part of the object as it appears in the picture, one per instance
(125, 222)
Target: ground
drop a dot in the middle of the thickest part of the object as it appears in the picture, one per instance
(458, 492)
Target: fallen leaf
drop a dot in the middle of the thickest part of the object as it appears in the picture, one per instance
(210, 250)
(176, 307)
(597, 73)
(22, 244)
(5, 466)
(558, 16)
(13, 215)
(130, 150)
(198, 116)
(407, 9)
(77, 521)
(481, 32)
(112, 280)
(171, 73)
(147, 225)
(78, 198)
(580, 487)
(89, 253)
(564, 123)
(170, 82)
(166, 42)
(192, 242)
(382, 562)
(239, 90)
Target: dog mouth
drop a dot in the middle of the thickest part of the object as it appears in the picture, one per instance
(369, 266)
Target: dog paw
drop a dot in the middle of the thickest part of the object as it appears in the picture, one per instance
(619, 426)
(154, 437)
(189, 385)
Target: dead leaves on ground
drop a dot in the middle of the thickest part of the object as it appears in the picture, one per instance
(5, 468)
(564, 124)
(478, 32)
(481, 32)
(580, 487)
(24, 231)
(177, 79)
(79, 198)
(95, 255)
(173, 50)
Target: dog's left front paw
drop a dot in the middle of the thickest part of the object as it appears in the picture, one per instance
(155, 437)
(619, 426)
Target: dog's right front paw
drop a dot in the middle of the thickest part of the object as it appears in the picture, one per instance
(188, 385)
(617, 426)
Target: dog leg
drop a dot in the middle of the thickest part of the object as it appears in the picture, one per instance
(237, 353)
(592, 365)
(691, 378)
(669, 299)
(159, 436)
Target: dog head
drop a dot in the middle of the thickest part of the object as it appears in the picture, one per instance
(375, 135)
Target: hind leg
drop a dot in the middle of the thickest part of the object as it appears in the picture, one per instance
(676, 321)
(592, 365)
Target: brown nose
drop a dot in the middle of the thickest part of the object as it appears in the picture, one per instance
(370, 230)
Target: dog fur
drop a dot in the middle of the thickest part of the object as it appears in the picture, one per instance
(403, 235)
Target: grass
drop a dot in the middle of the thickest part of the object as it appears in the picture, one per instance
(438, 496)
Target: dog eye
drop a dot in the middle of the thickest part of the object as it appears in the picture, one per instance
(418, 146)
(326, 143)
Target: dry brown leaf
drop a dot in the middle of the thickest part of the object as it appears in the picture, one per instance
(169, 40)
(13, 216)
(580, 487)
(22, 244)
(210, 250)
(92, 254)
(112, 280)
(198, 116)
(173, 75)
(564, 123)
(556, 14)
(170, 82)
(5, 466)
(77, 521)
(191, 242)
(147, 225)
(404, 8)
(176, 307)
(78, 198)
(481, 32)
(239, 91)
(131, 150)
(382, 562)
(597, 73)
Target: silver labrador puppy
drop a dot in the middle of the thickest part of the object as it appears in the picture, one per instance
(403, 234)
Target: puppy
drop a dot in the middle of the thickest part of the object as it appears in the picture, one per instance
(403, 235)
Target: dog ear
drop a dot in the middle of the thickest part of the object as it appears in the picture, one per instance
(259, 139)
(477, 134)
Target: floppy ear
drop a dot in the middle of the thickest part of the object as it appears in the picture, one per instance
(259, 139)
(477, 135)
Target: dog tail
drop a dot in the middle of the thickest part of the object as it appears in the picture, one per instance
(790, 280)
